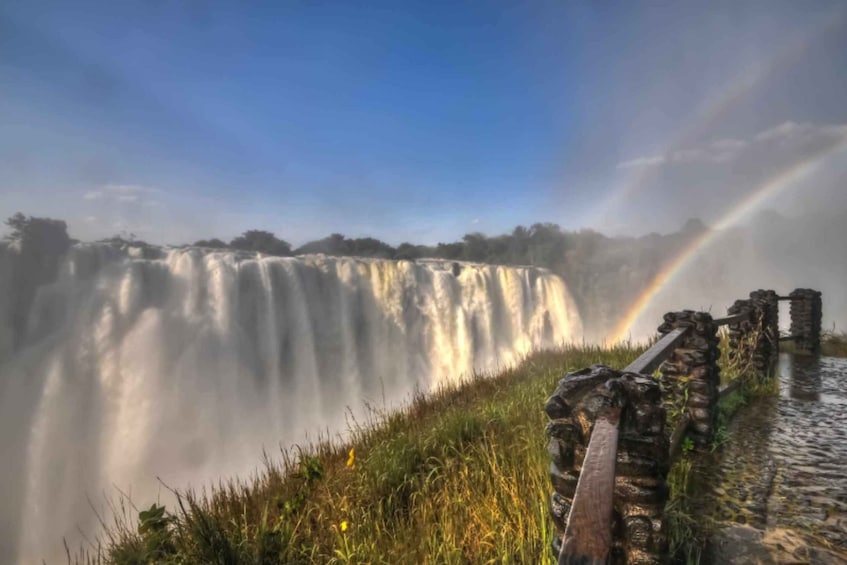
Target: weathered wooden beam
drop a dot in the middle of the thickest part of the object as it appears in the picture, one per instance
(677, 437)
(732, 319)
(588, 535)
(650, 360)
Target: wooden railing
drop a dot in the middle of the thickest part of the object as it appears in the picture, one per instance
(689, 345)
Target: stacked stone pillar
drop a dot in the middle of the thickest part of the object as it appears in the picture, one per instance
(741, 334)
(806, 320)
(691, 376)
(639, 528)
(766, 322)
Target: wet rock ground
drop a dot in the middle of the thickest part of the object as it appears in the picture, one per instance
(778, 487)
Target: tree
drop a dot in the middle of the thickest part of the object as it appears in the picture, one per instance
(476, 247)
(42, 243)
(43, 236)
(449, 250)
(337, 244)
(262, 242)
(370, 247)
(408, 251)
(213, 243)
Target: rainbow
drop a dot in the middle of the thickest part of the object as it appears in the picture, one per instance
(775, 184)
(722, 104)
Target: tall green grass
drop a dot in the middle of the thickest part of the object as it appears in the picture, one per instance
(833, 343)
(458, 476)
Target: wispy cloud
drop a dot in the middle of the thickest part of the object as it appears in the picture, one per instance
(121, 193)
(726, 150)
(642, 162)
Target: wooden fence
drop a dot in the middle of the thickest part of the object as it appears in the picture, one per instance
(608, 442)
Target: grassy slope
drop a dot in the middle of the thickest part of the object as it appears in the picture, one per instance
(457, 477)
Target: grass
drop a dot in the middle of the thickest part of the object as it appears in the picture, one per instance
(685, 532)
(834, 344)
(458, 476)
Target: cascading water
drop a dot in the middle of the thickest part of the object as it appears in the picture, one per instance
(184, 363)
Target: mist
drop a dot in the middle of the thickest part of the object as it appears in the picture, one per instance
(773, 251)
(443, 188)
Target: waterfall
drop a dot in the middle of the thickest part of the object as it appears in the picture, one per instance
(184, 364)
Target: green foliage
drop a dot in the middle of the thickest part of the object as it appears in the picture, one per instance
(686, 535)
(41, 236)
(261, 242)
(311, 468)
(834, 344)
(155, 542)
(337, 244)
(213, 243)
(156, 534)
(459, 475)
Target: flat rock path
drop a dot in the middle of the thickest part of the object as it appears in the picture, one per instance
(778, 486)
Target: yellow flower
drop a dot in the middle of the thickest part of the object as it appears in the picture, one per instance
(344, 526)
(351, 460)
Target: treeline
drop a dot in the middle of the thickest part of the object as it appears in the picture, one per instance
(540, 244)
(605, 274)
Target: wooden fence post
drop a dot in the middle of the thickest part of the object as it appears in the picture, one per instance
(691, 376)
(806, 320)
(638, 528)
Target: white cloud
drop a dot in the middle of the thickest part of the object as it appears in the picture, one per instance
(725, 150)
(690, 156)
(642, 162)
(728, 144)
(785, 129)
(130, 193)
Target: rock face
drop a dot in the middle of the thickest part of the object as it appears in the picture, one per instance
(642, 458)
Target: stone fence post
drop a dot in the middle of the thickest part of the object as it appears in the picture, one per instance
(639, 530)
(691, 376)
(766, 322)
(742, 334)
(806, 311)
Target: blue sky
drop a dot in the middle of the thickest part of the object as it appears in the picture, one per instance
(414, 121)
